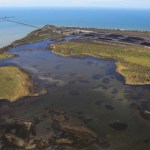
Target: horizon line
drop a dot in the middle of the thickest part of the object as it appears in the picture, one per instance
(74, 7)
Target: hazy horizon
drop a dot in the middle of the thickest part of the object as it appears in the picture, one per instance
(144, 4)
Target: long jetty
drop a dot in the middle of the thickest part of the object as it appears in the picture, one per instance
(25, 24)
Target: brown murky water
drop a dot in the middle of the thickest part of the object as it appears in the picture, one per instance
(86, 87)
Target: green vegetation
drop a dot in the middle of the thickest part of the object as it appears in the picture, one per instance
(133, 62)
(38, 35)
(14, 83)
(36, 38)
(4, 56)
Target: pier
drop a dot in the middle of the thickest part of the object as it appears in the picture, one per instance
(25, 24)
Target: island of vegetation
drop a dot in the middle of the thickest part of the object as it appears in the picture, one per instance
(5, 55)
(14, 83)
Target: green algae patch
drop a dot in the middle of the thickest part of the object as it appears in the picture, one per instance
(133, 61)
(14, 83)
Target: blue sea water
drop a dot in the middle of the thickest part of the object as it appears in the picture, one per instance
(131, 19)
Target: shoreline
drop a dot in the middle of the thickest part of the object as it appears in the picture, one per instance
(132, 62)
(118, 68)
(105, 30)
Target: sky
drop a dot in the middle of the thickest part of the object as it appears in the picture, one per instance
(77, 3)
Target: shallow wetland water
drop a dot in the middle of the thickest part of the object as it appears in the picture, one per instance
(86, 87)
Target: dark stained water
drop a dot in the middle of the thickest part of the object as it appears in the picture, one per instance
(87, 87)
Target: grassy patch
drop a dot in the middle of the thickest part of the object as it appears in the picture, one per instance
(38, 35)
(134, 74)
(133, 62)
(14, 83)
(4, 56)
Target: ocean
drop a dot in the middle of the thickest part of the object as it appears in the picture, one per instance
(130, 19)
